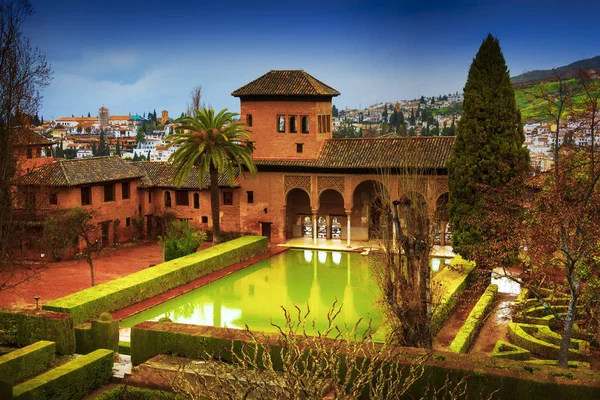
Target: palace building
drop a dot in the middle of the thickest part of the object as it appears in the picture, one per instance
(308, 184)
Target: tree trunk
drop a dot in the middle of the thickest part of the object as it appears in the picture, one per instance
(91, 264)
(563, 353)
(214, 204)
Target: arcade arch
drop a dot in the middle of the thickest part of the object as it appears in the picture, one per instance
(298, 214)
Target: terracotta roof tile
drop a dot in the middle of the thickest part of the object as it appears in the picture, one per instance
(405, 152)
(85, 171)
(28, 137)
(160, 174)
(286, 83)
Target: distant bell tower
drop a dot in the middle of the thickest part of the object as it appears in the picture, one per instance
(288, 113)
(103, 116)
(165, 117)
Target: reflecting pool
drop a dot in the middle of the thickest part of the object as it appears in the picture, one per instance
(255, 295)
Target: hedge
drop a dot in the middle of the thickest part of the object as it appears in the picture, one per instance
(123, 392)
(540, 340)
(468, 332)
(26, 362)
(482, 374)
(97, 335)
(125, 348)
(23, 327)
(510, 351)
(572, 364)
(453, 280)
(72, 380)
(141, 285)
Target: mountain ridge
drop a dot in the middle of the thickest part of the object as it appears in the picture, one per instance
(566, 71)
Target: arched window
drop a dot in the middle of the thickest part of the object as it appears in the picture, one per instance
(305, 124)
(196, 200)
(280, 123)
(249, 119)
(167, 199)
(293, 125)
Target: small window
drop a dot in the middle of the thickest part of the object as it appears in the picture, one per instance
(320, 123)
(196, 200)
(149, 196)
(299, 147)
(125, 190)
(249, 119)
(54, 198)
(204, 219)
(250, 195)
(182, 198)
(29, 152)
(109, 192)
(293, 127)
(167, 199)
(305, 124)
(128, 221)
(86, 196)
(328, 123)
(227, 198)
(280, 123)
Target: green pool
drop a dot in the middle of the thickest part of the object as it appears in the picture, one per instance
(254, 295)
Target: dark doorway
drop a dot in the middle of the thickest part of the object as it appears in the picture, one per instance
(105, 230)
(266, 229)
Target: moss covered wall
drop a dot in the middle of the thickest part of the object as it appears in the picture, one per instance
(141, 285)
(24, 327)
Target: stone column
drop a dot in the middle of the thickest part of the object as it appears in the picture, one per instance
(348, 233)
(314, 212)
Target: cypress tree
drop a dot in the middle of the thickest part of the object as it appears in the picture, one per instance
(489, 142)
(118, 148)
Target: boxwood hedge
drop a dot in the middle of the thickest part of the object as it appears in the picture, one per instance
(141, 285)
(467, 334)
(542, 341)
(23, 327)
(510, 351)
(72, 380)
(26, 362)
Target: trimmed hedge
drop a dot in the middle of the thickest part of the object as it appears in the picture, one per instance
(540, 340)
(24, 327)
(510, 351)
(453, 280)
(29, 361)
(141, 285)
(72, 380)
(468, 332)
(482, 374)
(123, 392)
(572, 364)
(97, 335)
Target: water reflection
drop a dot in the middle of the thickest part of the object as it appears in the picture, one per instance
(255, 295)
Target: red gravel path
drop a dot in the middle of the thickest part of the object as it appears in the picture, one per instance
(66, 277)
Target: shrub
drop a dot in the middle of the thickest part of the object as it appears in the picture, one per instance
(72, 380)
(24, 327)
(27, 362)
(467, 334)
(507, 350)
(180, 240)
(58, 236)
(123, 392)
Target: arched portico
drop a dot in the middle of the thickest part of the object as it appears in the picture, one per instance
(299, 216)
(331, 215)
(440, 227)
(369, 199)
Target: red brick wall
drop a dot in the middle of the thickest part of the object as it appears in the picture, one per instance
(271, 143)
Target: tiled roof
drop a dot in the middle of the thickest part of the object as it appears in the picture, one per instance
(286, 83)
(28, 137)
(160, 174)
(85, 171)
(405, 152)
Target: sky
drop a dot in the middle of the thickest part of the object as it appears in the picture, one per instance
(138, 56)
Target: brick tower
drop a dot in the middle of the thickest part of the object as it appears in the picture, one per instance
(289, 114)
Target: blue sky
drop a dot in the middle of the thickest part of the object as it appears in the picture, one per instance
(136, 56)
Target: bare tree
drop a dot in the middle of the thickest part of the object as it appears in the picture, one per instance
(196, 101)
(402, 270)
(23, 73)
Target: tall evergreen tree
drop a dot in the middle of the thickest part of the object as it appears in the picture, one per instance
(89, 115)
(489, 144)
(103, 149)
(118, 148)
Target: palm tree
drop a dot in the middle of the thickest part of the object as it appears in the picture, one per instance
(215, 144)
